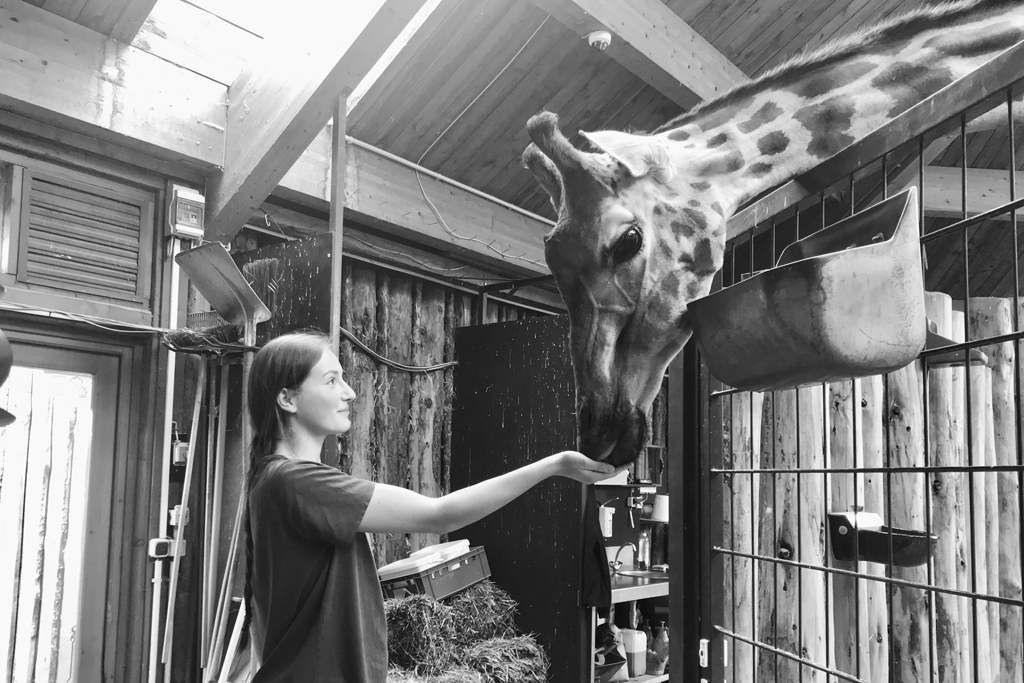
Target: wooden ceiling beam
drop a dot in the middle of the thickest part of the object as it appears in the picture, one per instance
(279, 104)
(652, 42)
(384, 193)
(131, 20)
(57, 72)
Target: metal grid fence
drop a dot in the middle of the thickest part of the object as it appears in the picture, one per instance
(801, 591)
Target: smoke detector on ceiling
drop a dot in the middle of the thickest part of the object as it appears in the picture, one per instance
(599, 39)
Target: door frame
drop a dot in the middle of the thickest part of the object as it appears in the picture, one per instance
(121, 550)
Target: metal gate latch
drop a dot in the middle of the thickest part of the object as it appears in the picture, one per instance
(703, 653)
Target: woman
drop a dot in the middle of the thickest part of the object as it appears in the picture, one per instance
(311, 583)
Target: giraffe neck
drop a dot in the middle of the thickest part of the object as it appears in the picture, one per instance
(791, 120)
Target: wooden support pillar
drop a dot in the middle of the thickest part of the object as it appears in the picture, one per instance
(850, 624)
(746, 437)
(992, 316)
(945, 430)
(874, 663)
(905, 509)
(339, 162)
(791, 600)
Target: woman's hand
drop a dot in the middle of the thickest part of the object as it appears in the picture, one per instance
(581, 468)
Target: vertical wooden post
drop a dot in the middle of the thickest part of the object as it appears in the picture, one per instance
(339, 161)
(963, 531)
(906, 501)
(724, 425)
(850, 624)
(427, 348)
(946, 450)
(767, 632)
(874, 594)
(992, 532)
(794, 614)
(991, 317)
(744, 521)
(808, 507)
(981, 404)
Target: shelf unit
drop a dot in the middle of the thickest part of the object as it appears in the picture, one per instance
(630, 589)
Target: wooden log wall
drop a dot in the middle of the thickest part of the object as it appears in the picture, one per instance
(950, 416)
(401, 422)
(401, 426)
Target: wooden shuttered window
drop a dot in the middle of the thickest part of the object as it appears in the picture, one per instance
(91, 240)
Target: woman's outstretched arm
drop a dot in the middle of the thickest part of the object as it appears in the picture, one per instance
(393, 509)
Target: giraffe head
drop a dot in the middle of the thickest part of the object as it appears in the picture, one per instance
(637, 237)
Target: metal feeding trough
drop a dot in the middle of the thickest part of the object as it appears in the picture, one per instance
(862, 536)
(847, 301)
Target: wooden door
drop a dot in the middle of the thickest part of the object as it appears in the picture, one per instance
(56, 480)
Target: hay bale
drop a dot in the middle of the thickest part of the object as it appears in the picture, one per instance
(420, 634)
(508, 660)
(483, 611)
(457, 675)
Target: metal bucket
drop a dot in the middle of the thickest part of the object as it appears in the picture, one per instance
(847, 301)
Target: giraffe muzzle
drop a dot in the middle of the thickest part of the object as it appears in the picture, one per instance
(613, 433)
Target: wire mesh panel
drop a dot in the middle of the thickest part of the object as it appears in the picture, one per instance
(869, 529)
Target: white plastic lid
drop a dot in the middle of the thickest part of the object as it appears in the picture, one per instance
(446, 550)
(410, 565)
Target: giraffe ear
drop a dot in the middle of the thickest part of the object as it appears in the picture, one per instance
(639, 154)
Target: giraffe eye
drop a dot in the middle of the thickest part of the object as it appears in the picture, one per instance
(627, 246)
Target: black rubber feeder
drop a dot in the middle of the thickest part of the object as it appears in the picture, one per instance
(861, 536)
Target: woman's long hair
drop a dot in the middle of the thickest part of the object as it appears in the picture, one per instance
(283, 363)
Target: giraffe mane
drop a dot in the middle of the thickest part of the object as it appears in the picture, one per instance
(907, 24)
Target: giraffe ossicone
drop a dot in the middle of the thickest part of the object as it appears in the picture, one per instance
(642, 221)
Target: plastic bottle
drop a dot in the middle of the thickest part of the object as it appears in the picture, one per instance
(643, 554)
(635, 643)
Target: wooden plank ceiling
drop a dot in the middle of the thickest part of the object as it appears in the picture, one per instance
(456, 99)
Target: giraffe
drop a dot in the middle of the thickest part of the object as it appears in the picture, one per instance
(642, 221)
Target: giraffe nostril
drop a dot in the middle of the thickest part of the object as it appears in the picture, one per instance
(586, 417)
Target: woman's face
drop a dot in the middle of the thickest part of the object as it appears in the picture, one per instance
(320, 404)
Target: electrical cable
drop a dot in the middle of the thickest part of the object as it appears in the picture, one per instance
(390, 363)
(419, 180)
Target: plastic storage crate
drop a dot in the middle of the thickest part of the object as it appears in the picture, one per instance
(440, 580)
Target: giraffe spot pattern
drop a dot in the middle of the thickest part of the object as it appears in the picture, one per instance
(678, 226)
(717, 208)
(831, 79)
(828, 123)
(725, 164)
(768, 112)
(693, 289)
(717, 140)
(975, 43)
(721, 116)
(694, 202)
(910, 83)
(773, 143)
(697, 219)
(679, 135)
(760, 169)
(706, 259)
(701, 185)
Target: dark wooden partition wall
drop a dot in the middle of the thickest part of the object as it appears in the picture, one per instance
(514, 404)
(401, 422)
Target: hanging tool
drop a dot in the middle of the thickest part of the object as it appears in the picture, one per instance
(179, 529)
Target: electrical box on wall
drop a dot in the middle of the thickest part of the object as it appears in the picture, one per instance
(188, 213)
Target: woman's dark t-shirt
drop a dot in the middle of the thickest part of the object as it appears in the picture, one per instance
(318, 612)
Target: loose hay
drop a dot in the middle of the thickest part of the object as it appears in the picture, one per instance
(508, 660)
(458, 675)
(420, 634)
(470, 637)
(483, 611)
